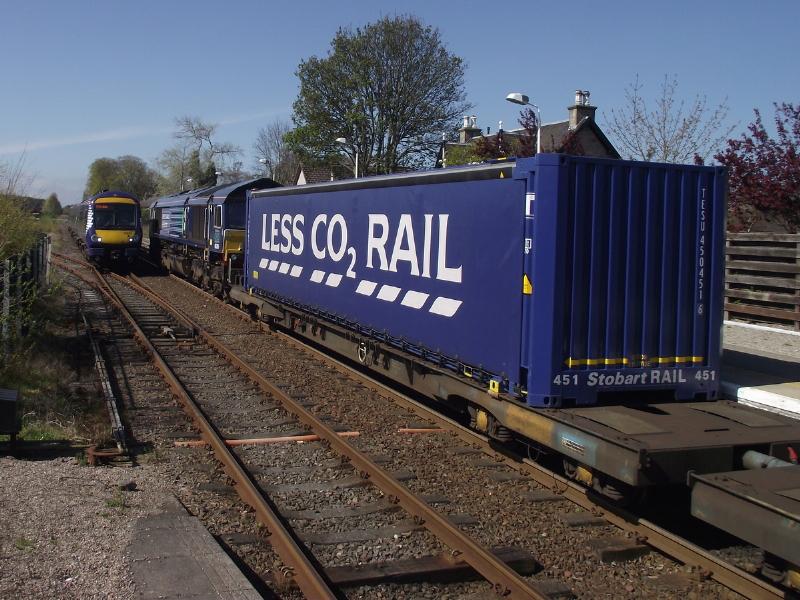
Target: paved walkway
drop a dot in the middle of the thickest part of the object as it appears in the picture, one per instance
(174, 556)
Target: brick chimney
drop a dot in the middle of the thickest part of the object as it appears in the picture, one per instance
(469, 129)
(581, 109)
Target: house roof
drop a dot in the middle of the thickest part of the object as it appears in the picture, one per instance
(554, 135)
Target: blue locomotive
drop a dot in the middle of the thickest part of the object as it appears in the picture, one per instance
(200, 233)
(112, 223)
(571, 303)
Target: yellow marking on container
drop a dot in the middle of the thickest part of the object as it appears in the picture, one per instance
(579, 362)
(494, 387)
(114, 236)
(255, 276)
(527, 287)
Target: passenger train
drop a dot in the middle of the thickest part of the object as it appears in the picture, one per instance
(112, 224)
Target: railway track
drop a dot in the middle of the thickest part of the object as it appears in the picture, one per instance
(704, 564)
(169, 337)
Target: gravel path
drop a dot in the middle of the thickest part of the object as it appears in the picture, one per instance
(64, 527)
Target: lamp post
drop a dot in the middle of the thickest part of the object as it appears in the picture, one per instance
(217, 176)
(189, 182)
(265, 162)
(518, 98)
(344, 141)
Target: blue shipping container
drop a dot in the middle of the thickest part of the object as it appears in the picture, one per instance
(572, 279)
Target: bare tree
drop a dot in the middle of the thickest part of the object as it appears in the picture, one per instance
(196, 157)
(670, 129)
(195, 132)
(273, 153)
(14, 180)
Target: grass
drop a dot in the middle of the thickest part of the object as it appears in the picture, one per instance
(23, 545)
(118, 501)
(44, 368)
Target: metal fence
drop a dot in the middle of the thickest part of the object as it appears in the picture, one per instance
(21, 277)
(762, 278)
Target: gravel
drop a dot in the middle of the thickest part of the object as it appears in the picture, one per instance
(505, 516)
(64, 527)
(759, 341)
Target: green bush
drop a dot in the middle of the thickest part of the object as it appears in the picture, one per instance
(18, 229)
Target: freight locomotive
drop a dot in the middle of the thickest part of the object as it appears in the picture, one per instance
(112, 223)
(572, 304)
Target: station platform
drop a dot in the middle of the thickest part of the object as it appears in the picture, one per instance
(174, 556)
(765, 380)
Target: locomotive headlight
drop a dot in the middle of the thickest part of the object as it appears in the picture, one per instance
(96, 238)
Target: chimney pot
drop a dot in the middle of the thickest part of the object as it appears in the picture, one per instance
(466, 121)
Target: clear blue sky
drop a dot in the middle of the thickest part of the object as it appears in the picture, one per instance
(81, 80)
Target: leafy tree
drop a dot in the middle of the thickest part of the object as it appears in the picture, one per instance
(390, 89)
(671, 131)
(764, 172)
(279, 162)
(52, 207)
(126, 173)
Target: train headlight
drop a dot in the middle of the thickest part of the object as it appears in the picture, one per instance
(96, 238)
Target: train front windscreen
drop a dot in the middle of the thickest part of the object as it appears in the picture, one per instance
(114, 216)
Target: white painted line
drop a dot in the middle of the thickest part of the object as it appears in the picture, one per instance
(388, 293)
(296, 271)
(763, 399)
(446, 307)
(365, 288)
(284, 268)
(761, 327)
(333, 280)
(318, 276)
(263, 264)
(414, 299)
(273, 264)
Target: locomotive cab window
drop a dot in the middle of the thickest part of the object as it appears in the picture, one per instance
(218, 215)
(114, 216)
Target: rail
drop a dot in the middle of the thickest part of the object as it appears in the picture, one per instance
(308, 578)
(703, 563)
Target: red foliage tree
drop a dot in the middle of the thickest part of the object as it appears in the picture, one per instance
(764, 172)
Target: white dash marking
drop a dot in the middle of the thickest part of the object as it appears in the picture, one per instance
(414, 299)
(284, 268)
(365, 288)
(317, 276)
(388, 293)
(273, 264)
(446, 307)
(333, 280)
(296, 271)
(263, 264)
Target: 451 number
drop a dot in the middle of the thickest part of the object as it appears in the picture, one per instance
(565, 379)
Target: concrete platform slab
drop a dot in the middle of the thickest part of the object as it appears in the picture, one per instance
(174, 556)
(769, 381)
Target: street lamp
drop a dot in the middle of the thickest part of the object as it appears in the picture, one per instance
(518, 98)
(189, 182)
(265, 162)
(344, 142)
